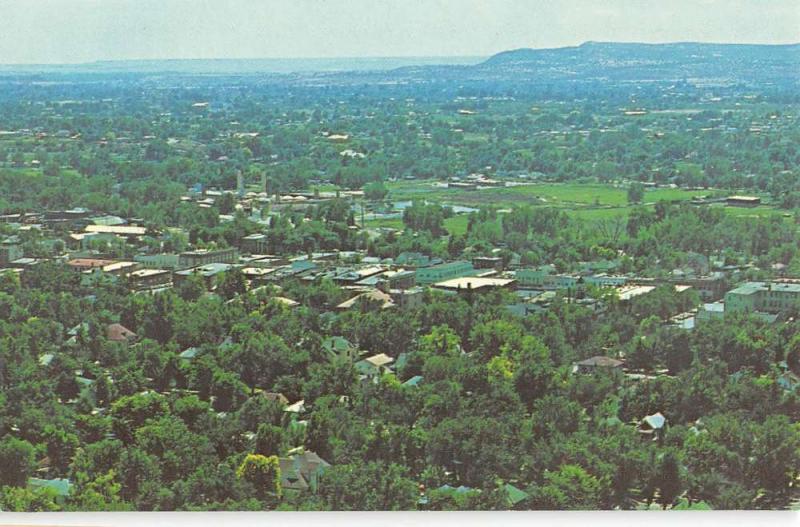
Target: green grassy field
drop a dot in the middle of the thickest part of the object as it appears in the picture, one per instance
(755, 212)
(590, 201)
(37, 172)
(455, 225)
(558, 194)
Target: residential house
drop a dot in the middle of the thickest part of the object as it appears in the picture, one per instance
(301, 471)
(341, 347)
(119, 333)
(414, 381)
(653, 425)
(598, 363)
(374, 366)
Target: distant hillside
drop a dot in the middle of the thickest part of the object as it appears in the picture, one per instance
(242, 66)
(586, 68)
(618, 61)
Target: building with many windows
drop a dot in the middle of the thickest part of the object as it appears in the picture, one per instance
(205, 257)
(445, 271)
(768, 297)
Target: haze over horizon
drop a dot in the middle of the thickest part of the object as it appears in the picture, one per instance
(56, 32)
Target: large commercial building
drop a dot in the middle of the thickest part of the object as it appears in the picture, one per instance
(542, 277)
(205, 257)
(768, 297)
(475, 284)
(148, 279)
(445, 271)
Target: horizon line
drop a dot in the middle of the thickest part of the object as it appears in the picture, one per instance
(393, 57)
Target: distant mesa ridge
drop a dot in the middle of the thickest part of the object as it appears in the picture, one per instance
(633, 61)
(634, 50)
(590, 61)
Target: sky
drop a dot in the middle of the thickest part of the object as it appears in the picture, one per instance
(75, 31)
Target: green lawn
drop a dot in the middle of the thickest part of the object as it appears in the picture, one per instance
(556, 194)
(755, 212)
(457, 225)
(37, 172)
(589, 201)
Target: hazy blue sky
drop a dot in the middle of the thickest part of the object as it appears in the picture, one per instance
(50, 31)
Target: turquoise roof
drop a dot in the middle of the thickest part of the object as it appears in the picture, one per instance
(189, 353)
(60, 485)
(515, 495)
(336, 344)
(413, 381)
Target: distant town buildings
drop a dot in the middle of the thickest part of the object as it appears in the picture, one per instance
(203, 257)
(768, 297)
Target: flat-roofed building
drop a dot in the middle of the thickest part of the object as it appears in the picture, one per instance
(257, 275)
(710, 311)
(768, 297)
(120, 268)
(87, 264)
(204, 257)
(147, 279)
(445, 271)
(536, 277)
(407, 298)
(10, 250)
(488, 262)
(400, 279)
(390, 280)
(157, 261)
(119, 230)
(602, 280)
(743, 201)
(629, 292)
(255, 243)
(474, 284)
(351, 276)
